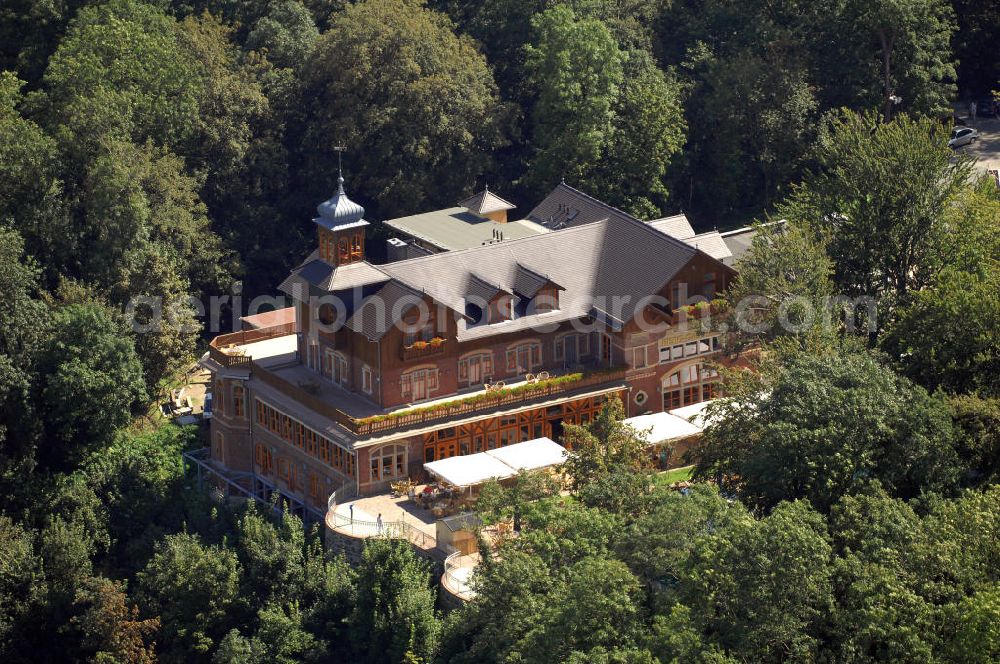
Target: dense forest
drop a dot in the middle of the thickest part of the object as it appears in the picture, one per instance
(170, 148)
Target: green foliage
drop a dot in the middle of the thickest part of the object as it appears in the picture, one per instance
(977, 422)
(393, 618)
(765, 588)
(498, 501)
(880, 200)
(286, 34)
(603, 446)
(92, 383)
(120, 73)
(947, 336)
(194, 588)
(20, 573)
(578, 70)
(785, 284)
(392, 78)
(825, 424)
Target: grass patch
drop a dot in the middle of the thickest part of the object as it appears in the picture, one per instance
(668, 477)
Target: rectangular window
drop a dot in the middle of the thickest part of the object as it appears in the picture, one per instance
(639, 357)
(238, 404)
(366, 379)
(708, 289)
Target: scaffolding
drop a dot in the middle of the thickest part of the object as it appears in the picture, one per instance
(247, 486)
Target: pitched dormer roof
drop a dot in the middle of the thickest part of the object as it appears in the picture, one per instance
(485, 202)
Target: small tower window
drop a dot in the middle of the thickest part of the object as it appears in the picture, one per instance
(343, 251)
(356, 248)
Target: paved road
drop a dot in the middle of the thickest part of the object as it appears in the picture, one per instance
(987, 148)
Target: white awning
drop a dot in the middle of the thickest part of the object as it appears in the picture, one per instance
(501, 463)
(695, 413)
(663, 427)
(531, 454)
(469, 470)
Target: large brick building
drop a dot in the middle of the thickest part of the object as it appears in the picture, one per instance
(378, 369)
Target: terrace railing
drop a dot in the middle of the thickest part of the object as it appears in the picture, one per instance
(391, 529)
(455, 580)
(224, 348)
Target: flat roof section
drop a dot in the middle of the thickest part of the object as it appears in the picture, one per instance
(456, 228)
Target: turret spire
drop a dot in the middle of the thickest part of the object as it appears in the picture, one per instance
(339, 210)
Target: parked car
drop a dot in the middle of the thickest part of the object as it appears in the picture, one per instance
(962, 136)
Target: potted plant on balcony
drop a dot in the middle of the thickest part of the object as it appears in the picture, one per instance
(436, 341)
(419, 345)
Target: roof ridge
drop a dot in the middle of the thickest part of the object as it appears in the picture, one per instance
(627, 217)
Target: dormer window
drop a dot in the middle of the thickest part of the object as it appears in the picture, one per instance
(547, 299)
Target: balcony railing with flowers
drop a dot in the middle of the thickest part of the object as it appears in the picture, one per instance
(459, 406)
(420, 349)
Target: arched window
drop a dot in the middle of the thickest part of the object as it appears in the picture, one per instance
(335, 366)
(569, 348)
(343, 251)
(357, 252)
(690, 384)
(388, 462)
(524, 357)
(475, 368)
(418, 384)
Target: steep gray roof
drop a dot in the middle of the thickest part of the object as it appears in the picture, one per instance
(378, 313)
(527, 282)
(676, 226)
(566, 207)
(617, 257)
(485, 202)
(317, 277)
(479, 291)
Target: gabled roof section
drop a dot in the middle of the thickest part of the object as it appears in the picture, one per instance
(316, 276)
(566, 207)
(375, 316)
(676, 226)
(713, 244)
(479, 291)
(485, 202)
(527, 282)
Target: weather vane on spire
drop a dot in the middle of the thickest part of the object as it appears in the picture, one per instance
(339, 149)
